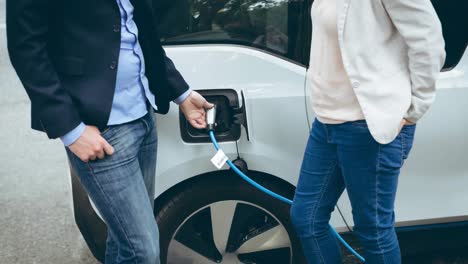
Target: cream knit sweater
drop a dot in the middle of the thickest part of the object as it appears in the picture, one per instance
(333, 98)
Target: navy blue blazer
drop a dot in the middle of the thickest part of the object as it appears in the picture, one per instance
(66, 52)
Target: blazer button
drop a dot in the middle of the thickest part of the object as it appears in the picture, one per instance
(116, 28)
(113, 65)
(356, 84)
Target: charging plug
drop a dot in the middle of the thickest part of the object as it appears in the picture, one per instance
(211, 118)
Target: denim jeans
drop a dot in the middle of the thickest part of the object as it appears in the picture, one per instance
(122, 188)
(343, 156)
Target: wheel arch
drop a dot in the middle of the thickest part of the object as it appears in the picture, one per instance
(286, 188)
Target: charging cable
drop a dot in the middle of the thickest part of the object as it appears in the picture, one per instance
(211, 123)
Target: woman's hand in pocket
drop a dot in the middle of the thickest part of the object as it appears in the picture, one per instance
(403, 123)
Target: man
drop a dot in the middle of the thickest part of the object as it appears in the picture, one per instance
(93, 70)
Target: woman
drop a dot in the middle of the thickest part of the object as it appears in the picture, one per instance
(373, 68)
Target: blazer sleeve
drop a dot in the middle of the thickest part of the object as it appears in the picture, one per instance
(418, 23)
(177, 84)
(27, 38)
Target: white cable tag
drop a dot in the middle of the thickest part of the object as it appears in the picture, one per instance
(219, 159)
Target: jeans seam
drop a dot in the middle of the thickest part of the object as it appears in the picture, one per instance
(150, 125)
(146, 123)
(110, 206)
(377, 204)
(326, 133)
(403, 148)
(150, 129)
(143, 147)
(105, 130)
(312, 221)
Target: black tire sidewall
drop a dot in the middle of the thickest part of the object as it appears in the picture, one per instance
(221, 188)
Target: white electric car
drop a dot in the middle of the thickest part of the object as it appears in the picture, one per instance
(250, 58)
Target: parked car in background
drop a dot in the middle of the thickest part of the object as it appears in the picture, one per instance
(250, 57)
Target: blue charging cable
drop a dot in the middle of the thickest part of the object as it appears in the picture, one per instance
(275, 195)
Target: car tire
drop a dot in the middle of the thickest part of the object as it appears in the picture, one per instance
(184, 223)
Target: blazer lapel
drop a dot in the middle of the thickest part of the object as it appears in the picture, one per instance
(144, 3)
(342, 16)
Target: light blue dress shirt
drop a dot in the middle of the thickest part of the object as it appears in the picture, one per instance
(132, 88)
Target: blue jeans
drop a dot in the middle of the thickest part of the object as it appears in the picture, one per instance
(346, 156)
(122, 188)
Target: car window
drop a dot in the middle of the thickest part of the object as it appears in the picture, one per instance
(270, 25)
(454, 19)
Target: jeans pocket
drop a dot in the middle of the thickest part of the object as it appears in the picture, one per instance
(407, 135)
(391, 155)
(109, 132)
(103, 132)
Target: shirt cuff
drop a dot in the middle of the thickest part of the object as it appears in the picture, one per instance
(182, 98)
(73, 135)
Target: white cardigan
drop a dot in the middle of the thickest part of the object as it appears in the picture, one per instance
(393, 51)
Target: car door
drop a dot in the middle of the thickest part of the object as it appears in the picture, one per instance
(257, 48)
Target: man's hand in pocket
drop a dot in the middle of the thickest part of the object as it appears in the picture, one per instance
(91, 145)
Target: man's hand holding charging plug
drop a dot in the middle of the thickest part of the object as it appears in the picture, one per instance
(194, 109)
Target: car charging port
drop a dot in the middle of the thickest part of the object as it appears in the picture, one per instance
(227, 118)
